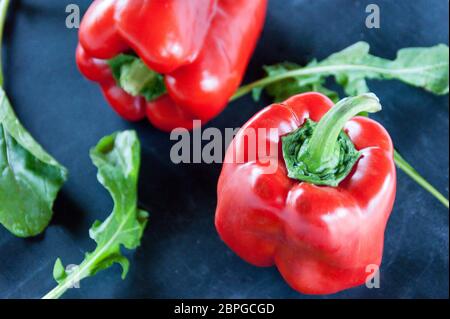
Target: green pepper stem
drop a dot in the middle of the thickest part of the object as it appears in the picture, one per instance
(321, 150)
(135, 77)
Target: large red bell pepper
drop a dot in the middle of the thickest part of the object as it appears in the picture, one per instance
(191, 55)
(320, 214)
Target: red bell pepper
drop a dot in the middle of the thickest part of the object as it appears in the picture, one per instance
(191, 55)
(320, 215)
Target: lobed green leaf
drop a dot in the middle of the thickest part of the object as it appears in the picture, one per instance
(427, 68)
(117, 158)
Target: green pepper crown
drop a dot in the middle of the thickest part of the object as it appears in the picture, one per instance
(135, 78)
(322, 153)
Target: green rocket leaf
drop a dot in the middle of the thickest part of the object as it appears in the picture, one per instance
(29, 177)
(117, 158)
(427, 68)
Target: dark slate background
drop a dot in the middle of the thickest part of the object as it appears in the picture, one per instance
(181, 255)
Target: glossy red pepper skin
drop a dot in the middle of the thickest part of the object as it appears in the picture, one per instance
(201, 46)
(320, 238)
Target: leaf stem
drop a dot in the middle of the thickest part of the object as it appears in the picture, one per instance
(68, 282)
(411, 172)
(3, 10)
(82, 271)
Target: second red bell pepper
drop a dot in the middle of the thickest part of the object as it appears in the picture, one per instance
(172, 60)
(320, 213)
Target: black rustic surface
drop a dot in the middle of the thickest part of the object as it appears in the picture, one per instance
(181, 254)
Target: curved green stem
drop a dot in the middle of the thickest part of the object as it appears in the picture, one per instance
(3, 10)
(320, 152)
(411, 172)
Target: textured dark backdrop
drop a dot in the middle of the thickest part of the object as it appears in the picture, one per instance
(181, 254)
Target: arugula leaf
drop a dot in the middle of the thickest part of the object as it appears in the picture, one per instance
(427, 68)
(29, 180)
(117, 158)
(135, 78)
(29, 177)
